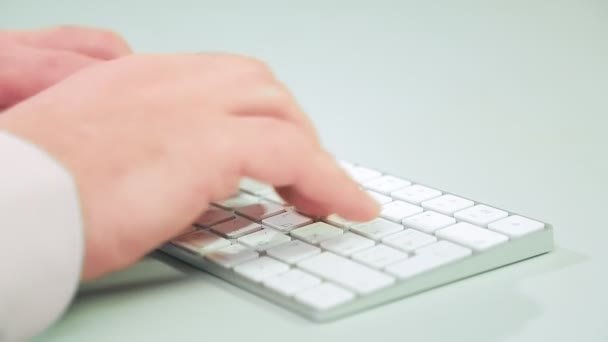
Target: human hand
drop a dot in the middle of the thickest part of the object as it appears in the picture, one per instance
(152, 139)
(31, 61)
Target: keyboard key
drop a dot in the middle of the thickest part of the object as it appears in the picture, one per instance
(480, 215)
(338, 221)
(429, 221)
(398, 210)
(447, 204)
(414, 266)
(409, 240)
(377, 228)
(361, 174)
(324, 296)
(472, 236)
(240, 200)
(261, 268)
(446, 250)
(293, 251)
(254, 187)
(516, 226)
(428, 258)
(416, 194)
(213, 216)
(200, 242)
(232, 255)
(386, 184)
(263, 239)
(345, 272)
(261, 210)
(421, 234)
(379, 256)
(236, 228)
(379, 198)
(291, 282)
(347, 244)
(316, 232)
(287, 221)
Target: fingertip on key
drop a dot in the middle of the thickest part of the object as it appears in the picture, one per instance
(361, 208)
(370, 209)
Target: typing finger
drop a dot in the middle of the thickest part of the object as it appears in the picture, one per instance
(278, 153)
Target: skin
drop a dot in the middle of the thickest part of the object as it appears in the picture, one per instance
(31, 61)
(151, 140)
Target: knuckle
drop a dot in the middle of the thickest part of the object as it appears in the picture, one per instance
(246, 63)
(63, 30)
(273, 93)
(112, 38)
(104, 38)
(254, 63)
(99, 36)
(69, 32)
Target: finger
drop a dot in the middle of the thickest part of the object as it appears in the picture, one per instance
(275, 100)
(96, 43)
(277, 152)
(268, 92)
(302, 203)
(25, 71)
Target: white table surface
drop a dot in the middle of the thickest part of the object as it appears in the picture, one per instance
(501, 101)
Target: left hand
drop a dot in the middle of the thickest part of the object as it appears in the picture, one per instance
(31, 61)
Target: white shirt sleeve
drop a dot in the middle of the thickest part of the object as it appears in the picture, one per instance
(41, 237)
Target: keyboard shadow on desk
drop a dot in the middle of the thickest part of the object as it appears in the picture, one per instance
(152, 272)
(493, 306)
(503, 299)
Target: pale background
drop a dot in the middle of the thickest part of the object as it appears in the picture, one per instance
(501, 101)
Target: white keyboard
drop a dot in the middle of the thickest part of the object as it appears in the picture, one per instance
(329, 268)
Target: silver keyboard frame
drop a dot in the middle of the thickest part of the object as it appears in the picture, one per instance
(515, 250)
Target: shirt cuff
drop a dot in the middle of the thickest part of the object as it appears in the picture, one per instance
(42, 239)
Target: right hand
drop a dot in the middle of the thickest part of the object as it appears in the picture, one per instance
(152, 139)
